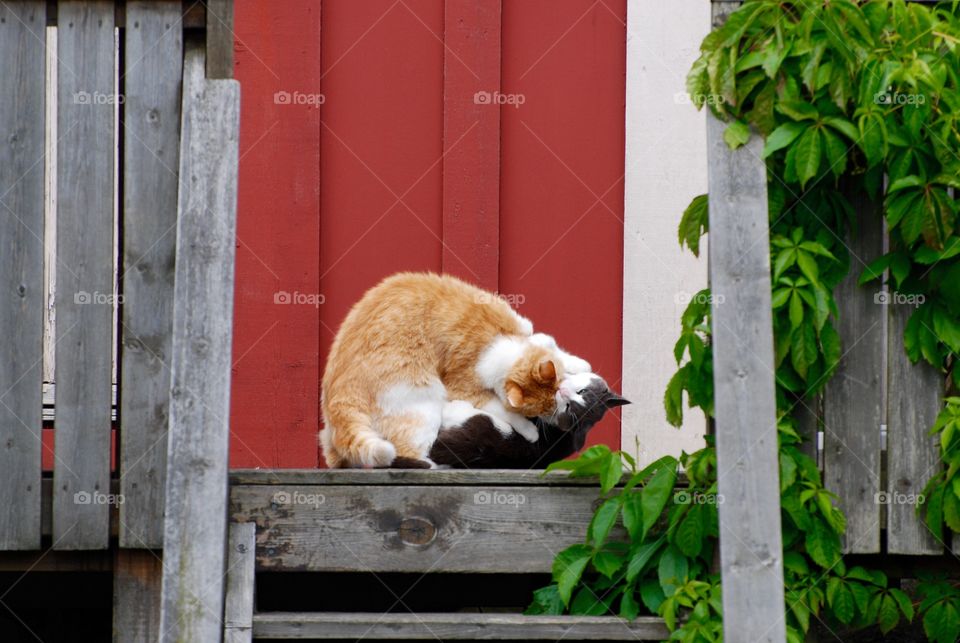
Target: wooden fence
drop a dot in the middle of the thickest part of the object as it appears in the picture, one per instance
(876, 393)
(146, 133)
(148, 126)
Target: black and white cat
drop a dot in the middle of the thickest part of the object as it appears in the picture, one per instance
(478, 444)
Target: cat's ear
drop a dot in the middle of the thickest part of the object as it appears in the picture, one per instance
(546, 371)
(613, 400)
(514, 394)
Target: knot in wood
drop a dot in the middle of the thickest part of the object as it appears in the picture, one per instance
(416, 531)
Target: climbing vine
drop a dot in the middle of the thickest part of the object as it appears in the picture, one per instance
(852, 98)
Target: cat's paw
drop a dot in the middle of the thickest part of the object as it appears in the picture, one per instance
(527, 429)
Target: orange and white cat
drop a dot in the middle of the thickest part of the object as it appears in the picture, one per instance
(420, 351)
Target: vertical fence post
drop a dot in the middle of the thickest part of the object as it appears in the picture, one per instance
(751, 548)
(195, 525)
(85, 201)
(22, 42)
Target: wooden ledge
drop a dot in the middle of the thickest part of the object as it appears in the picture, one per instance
(448, 477)
(454, 626)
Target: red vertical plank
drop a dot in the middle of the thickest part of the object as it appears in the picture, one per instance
(562, 162)
(381, 147)
(275, 396)
(471, 141)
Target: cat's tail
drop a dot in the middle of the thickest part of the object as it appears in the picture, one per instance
(348, 440)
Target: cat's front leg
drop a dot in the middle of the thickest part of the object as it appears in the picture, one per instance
(457, 412)
(514, 421)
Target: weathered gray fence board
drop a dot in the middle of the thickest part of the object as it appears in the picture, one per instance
(479, 477)
(746, 424)
(442, 627)
(196, 491)
(853, 398)
(219, 38)
(22, 38)
(136, 596)
(413, 528)
(915, 397)
(241, 565)
(154, 52)
(85, 202)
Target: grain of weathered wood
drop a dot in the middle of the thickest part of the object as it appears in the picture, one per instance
(193, 11)
(136, 596)
(195, 524)
(22, 38)
(154, 52)
(480, 477)
(413, 528)
(84, 298)
(219, 38)
(366, 625)
(914, 398)
(746, 424)
(853, 398)
(241, 566)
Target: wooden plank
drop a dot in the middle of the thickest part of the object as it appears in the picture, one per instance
(219, 38)
(275, 425)
(914, 398)
(471, 141)
(446, 477)
(22, 38)
(196, 492)
(84, 298)
(136, 596)
(50, 393)
(194, 14)
(413, 528)
(241, 564)
(455, 626)
(853, 398)
(746, 421)
(154, 52)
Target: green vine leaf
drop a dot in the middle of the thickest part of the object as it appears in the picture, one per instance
(736, 134)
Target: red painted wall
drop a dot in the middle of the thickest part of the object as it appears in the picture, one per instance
(334, 197)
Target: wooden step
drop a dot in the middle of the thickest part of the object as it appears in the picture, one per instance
(453, 626)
